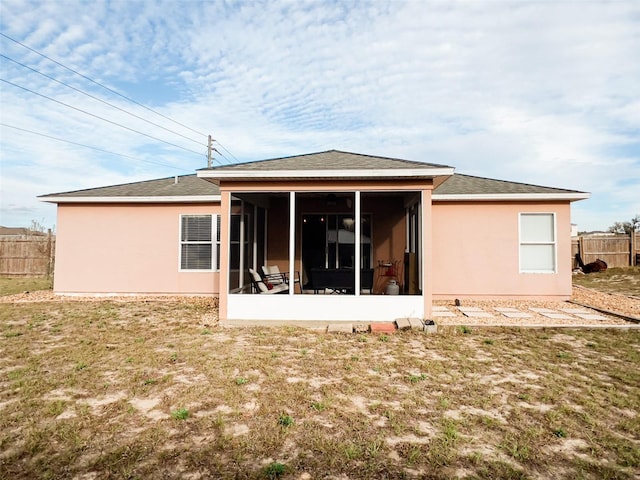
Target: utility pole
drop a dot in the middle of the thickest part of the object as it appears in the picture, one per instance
(209, 152)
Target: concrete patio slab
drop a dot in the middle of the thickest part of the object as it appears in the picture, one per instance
(590, 316)
(556, 315)
(574, 310)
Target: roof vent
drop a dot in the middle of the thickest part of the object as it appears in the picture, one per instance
(175, 180)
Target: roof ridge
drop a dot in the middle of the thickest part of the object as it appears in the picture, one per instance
(384, 157)
(274, 158)
(324, 152)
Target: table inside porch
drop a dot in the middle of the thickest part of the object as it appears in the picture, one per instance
(338, 280)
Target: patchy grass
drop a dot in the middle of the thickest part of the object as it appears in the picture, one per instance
(180, 414)
(613, 280)
(274, 470)
(12, 285)
(135, 390)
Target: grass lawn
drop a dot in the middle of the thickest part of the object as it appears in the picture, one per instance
(613, 280)
(9, 286)
(148, 390)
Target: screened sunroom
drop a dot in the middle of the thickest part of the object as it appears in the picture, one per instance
(325, 236)
(324, 254)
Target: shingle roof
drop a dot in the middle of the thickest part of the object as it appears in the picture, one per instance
(329, 160)
(192, 187)
(187, 185)
(459, 184)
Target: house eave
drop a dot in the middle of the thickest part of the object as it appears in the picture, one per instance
(323, 174)
(488, 197)
(125, 199)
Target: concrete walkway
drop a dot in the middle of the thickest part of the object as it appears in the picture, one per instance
(525, 316)
(477, 312)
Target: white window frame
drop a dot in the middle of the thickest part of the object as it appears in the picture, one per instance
(214, 242)
(553, 243)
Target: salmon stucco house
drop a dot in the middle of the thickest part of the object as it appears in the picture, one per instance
(343, 236)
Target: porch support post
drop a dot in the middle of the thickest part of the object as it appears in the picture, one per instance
(358, 244)
(292, 241)
(266, 236)
(225, 220)
(254, 239)
(427, 252)
(242, 240)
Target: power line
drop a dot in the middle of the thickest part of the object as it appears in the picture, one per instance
(100, 84)
(93, 148)
(115, 93)
(99, 117)
(227, 150)
(99, 99)
(222, 155)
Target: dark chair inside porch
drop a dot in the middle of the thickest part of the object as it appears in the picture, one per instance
(339, 280)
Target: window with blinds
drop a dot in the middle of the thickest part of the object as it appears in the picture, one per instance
(537, 243)
(198, 249)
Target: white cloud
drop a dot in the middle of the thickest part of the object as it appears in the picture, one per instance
(539, 92)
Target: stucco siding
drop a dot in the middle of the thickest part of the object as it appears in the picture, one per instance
(389, 227)
(476, 251)
(109, 248)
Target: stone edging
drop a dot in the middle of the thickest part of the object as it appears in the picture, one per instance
(608, 312)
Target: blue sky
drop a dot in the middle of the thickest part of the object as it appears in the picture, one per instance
(542, 92)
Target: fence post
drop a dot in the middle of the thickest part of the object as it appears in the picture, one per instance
(581, 247)
(49, 253)
(632, 248)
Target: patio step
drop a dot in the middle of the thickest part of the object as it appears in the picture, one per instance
(409, 323)
(340, 328)
(380, 327)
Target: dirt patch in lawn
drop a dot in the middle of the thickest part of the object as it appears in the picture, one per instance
(145, 390)
(624, 281)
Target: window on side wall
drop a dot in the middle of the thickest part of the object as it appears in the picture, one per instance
(199, 242)
(537, 243)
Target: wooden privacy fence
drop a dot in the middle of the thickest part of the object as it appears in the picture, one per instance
(617, 251)
(28, 256)
(33, 256)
